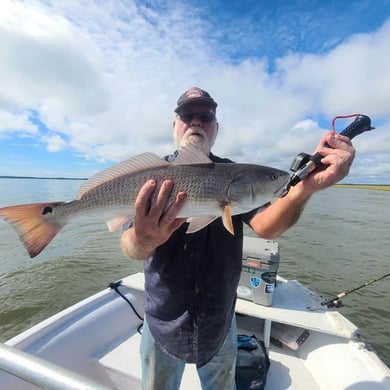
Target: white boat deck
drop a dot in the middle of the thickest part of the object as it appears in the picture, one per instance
(98, 338)
(286, 372)
(289, 369)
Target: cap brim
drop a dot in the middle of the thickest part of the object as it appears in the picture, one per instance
(202, 100)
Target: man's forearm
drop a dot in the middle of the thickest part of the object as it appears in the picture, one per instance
(281, 215)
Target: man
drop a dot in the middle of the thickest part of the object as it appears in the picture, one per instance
(191, 279)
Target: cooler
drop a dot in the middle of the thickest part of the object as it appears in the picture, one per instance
(260, 265)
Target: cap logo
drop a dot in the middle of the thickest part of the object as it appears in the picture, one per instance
(197, 95)
(194, 93)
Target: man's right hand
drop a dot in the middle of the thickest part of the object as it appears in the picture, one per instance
(154, 223)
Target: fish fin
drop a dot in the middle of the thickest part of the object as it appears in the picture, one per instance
(116, 223)
(189, 154)
(198, 223)
(227, 219)
(131, 165)
(33, 228)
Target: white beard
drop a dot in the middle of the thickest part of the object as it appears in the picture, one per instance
(197, 137)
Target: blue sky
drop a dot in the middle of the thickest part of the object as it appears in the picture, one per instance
(87, 84)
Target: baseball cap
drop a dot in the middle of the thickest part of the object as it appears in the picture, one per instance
(195, 95)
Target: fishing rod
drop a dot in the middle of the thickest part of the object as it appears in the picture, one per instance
(336, 302)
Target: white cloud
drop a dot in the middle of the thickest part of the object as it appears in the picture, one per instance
(48, 62)
(19, 123)
(54, 143)
(353, 77)
(104, 79)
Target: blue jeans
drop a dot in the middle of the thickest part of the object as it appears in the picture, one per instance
(163, 372)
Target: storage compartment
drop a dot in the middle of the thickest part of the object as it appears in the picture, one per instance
(260, 265)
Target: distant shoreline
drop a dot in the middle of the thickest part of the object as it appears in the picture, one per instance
(378, 187)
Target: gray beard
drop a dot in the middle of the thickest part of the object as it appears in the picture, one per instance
(196, 137)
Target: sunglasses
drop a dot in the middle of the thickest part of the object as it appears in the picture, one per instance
(205, 117)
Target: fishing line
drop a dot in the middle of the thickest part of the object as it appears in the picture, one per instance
(342, 117)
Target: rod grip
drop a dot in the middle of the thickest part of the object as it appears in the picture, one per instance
(361, 124)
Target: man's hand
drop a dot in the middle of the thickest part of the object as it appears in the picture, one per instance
(337, 161)
(285, 212)
(153, 224)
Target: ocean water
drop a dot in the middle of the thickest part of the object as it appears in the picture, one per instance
(340, 242)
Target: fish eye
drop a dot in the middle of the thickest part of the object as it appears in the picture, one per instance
(47, 210)
(273, 177)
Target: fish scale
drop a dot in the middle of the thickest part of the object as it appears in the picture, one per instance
(200, 185)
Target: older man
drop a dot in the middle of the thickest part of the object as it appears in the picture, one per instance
(191, 279)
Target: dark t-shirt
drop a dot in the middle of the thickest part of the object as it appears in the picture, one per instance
(191, 284)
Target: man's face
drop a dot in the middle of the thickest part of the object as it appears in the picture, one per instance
(196, 124)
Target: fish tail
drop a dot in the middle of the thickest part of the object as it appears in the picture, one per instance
(33, 225)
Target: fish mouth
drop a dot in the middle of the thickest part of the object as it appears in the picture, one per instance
(283, 190)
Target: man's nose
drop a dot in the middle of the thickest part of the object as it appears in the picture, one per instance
(196, 121)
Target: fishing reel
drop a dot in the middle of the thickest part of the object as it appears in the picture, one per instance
(333, 303)
(299, 161)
